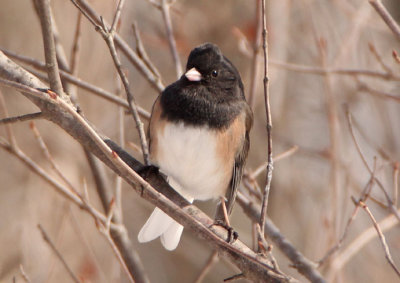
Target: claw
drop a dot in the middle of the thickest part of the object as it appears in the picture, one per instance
(232, 234)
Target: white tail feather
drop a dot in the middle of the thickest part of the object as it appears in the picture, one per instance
(155, 226)
(161, 225)
(170, 238)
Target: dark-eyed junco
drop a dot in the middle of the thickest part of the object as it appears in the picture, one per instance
(199, 137)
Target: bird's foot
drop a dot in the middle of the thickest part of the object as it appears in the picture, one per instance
(148, 170)
(232, 234)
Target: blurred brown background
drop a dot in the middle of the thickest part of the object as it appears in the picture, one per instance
(310, 197)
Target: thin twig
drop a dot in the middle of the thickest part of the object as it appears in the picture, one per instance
(338, 71)
(379, 93)
(23, 274)
(256, 56)
(396, 56)
(47, 239)
(46, 153)
(212, 260)
(76, 46)
(94, 18)
(77, 81)
(8, 128)
(21, 118)
(381, 237)
(105, 231)
(334, 142)
(264, 205)
(109, 38)
(390, 22)
(379, 58)
(74, 59)
(57, 186)
(388, 199)
(79, 231)
(298, 260)
(121, 141)
(170, 35)
(141, 51)
(267, 249)
(234, 277)
(277, 158)
(364, 196)
(395, 183)
(117, 16)
(359, 242)
(49, 46)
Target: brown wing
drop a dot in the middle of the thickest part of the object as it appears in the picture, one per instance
(238, 164)
(156, 124)
(240, 161)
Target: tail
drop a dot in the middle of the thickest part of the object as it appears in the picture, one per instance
(161, 225)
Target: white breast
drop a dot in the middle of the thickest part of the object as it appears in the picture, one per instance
(188, 155)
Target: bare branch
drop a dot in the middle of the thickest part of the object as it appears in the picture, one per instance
(49, 46)
(379, 58)
(390, 22)
(212, 260)
(77, 81)
(23, 274)
(170, 35)
(256, 55)
(117, 16)
(49, 158)
(379, 93)
(94, 18)
(141, 51)
(47, 239)
(8, 128)
(381, 237)
(263, 215)
(303, 265)
(364, 196)
(278, 157)
(21, 118)
(76, 46)
(337, 71)
(109, 39)
(389, 201)
(395, 183)
(396, 57)
(359, 242)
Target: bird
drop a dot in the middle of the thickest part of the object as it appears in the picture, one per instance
(199, 137)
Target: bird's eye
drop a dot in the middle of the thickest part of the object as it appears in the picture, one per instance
(214, 73)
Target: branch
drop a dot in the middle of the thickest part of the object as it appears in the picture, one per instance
(49, 46)
(381, 237)
(47, 239)
(255, 56)
(21, 118)
(302, 264)
(77, 81)
(108, 36)
(263, 215)
(390, 22)
(94, 18)
(359, 242)
(170, 35)
(337, 71)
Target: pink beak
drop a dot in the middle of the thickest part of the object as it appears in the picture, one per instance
(193, 75)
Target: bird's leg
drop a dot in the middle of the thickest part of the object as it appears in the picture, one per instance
(226, 217)
(232, 234)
